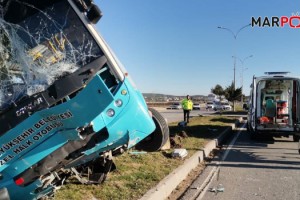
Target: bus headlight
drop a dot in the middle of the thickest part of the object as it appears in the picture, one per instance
(118, 102)
(110, 112)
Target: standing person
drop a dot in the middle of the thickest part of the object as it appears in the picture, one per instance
(187, 106)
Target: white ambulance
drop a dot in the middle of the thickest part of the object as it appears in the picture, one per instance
(274, 105)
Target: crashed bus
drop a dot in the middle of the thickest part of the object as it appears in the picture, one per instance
(274, 105)
(67, 106)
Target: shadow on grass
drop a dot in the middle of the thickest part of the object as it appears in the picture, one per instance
(198, 131)
(197, 135)
(232, 112)
(224, 120)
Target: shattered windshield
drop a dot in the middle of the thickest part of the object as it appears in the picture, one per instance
(40, 42)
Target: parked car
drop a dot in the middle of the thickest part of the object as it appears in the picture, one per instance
(175, 105)
(218, 106)
(196, 106)
(226, 106)
(210, 105)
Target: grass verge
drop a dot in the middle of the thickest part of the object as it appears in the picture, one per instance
(136, 174)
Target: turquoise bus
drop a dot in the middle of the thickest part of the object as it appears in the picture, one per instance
(67, 106)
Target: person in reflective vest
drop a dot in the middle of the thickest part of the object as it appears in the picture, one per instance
(187, 106)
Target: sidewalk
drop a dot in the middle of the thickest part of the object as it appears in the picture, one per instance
(165, 187)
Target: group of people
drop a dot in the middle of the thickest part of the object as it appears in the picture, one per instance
(187, 106)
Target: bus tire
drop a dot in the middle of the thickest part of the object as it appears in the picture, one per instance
(156, 140)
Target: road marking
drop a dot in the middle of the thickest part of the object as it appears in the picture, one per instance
(216, 169)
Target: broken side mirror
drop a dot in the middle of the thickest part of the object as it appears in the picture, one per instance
(83, 5)
(94, 14)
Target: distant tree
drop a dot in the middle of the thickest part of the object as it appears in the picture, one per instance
(233, 94)
(218, 90)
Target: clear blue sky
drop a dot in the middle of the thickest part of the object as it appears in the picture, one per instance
(174, 46)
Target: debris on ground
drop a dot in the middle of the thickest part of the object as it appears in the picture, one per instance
(182, 124)
(176, 141)
(179, 153)
(219, 188)
(137, 152)
(183, 134)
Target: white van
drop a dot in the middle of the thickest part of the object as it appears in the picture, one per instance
(274, 105)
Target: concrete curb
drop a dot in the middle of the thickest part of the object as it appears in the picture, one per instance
(165, 187)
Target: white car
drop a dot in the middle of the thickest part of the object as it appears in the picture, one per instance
(218, 106)
(196, 106)
(176, 106)
(210, 106)
(226, 106)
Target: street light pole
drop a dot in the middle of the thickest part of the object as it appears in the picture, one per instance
(242, 73)
(235, 41)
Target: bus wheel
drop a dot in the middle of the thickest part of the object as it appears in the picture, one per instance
(156, 140)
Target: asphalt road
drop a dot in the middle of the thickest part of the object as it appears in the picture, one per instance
(267, 169)
(177, 115)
